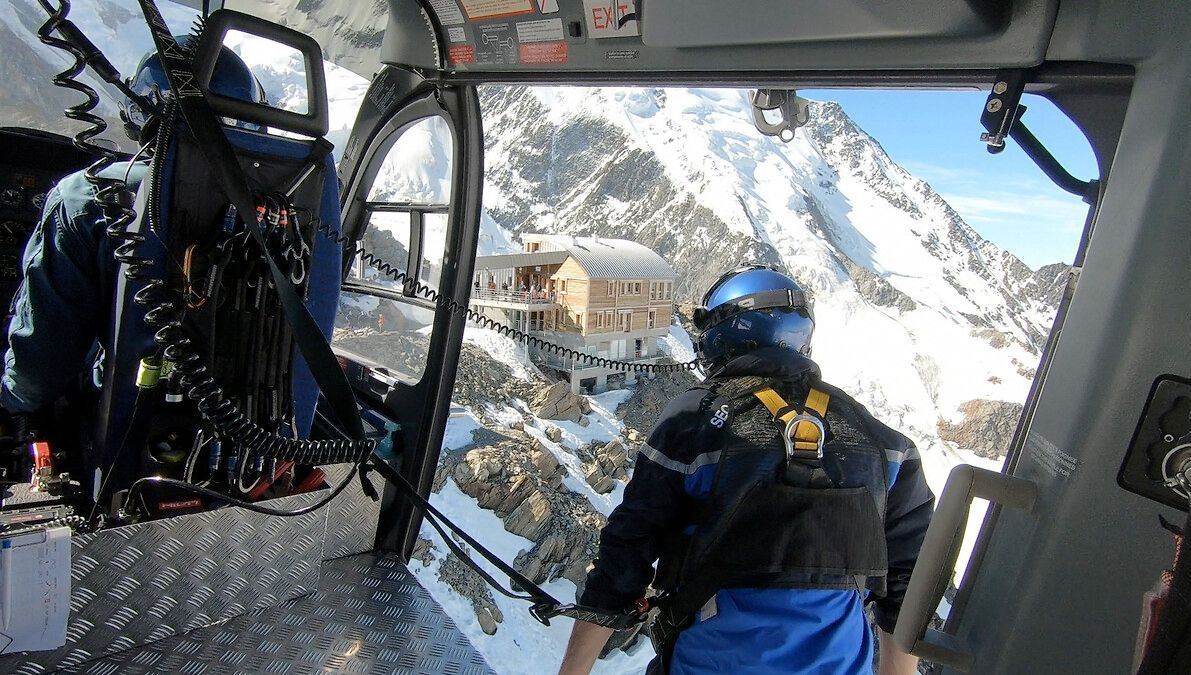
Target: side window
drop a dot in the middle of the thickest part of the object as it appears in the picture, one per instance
(383, 319)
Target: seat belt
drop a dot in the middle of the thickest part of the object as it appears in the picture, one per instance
(806, 434)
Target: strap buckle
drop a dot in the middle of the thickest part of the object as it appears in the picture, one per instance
(792, 453)
(544, 611)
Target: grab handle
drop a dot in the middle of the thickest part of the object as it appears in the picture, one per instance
(940, 551)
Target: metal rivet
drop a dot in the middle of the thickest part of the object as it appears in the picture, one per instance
(994, 105)
(256, 165)
(1000, 88)
(1168, 438)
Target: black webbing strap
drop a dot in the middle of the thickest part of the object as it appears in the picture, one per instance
(208, 133)
(545, 606)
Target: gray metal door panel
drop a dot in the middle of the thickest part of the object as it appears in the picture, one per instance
(1060, 590)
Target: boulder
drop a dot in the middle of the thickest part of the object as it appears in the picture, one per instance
(512, 497)
(486, 620)
(584, 421)
(545, 461)
(423, 551)
(554, 433)
(556, 402)
(603, 485)
(530, 517)
(986, 429)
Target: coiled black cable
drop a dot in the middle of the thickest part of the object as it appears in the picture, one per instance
(110, 193)
(380, 265)
(164, 307)
(165, 312)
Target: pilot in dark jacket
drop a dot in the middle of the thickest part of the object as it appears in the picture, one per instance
(64, 304)
(809, 617)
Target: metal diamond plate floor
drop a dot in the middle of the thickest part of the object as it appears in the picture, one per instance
(368, 616)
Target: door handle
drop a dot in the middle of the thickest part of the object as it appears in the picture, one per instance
(940, 551)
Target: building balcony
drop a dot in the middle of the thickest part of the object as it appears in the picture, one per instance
(523, 300)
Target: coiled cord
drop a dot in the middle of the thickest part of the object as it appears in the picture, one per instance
(164, 308)
(380, 265)
(165, 312)
(109, 192)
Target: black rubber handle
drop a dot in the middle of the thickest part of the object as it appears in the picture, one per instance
(314, 122)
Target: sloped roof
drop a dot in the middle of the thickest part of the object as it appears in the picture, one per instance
(510, 260)
(610, 258)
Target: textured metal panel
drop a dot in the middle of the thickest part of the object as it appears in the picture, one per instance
(139, 584)
(351, 518)
(369, 616)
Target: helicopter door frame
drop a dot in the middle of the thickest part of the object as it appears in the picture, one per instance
(395, 102)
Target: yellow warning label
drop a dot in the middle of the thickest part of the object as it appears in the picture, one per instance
(491, 9)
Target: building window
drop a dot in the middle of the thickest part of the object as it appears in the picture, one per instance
(611, 288)
(653, 318)
(626, 321)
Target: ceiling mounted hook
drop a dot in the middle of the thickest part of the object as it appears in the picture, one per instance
(794, 111)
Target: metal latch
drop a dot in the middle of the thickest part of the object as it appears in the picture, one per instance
(1003, 108)
(794, 110)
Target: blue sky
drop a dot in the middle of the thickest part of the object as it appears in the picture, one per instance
(936, 136)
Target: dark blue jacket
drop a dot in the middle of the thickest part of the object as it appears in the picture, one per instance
(753, 630)
(64, 304)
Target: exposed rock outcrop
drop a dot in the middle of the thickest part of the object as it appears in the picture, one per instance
(987, 427)
(521, 481)
(605, 464)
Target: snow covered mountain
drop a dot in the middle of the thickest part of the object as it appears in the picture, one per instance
(916, 312)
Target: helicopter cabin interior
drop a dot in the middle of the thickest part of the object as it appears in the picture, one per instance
(1070, 543)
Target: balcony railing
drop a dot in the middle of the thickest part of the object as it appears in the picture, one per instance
(514, 297)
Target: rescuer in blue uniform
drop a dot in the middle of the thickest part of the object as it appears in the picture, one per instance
(64, 304)
(767, 551)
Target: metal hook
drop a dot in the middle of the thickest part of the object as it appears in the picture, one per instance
(794, 111)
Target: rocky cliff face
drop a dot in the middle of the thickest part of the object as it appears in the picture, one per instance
(986, 428)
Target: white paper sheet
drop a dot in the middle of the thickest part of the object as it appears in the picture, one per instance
(34, 590)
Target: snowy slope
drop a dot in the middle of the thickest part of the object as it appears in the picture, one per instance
(909, 300)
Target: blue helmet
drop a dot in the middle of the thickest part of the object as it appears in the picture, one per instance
(749, 308)
(232, 78)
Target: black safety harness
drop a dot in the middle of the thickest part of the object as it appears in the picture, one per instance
(808, 477)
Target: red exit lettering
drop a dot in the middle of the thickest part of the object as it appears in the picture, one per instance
(607, 18)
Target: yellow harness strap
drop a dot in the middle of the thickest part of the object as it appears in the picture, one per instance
(806, 435)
